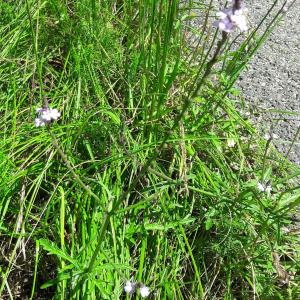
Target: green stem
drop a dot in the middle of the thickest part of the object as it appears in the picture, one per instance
(70, 168)
(145, 168)
(105, 222)
(35, 47)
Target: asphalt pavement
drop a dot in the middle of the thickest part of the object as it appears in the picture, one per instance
(271, 84)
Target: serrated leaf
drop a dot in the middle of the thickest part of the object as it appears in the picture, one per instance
(54, 250)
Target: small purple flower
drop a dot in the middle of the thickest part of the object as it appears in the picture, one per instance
(144, 291)
(130, 287)
(230, 18)
(264, 187)
(38, 122)
(54, 114)
(45, 116)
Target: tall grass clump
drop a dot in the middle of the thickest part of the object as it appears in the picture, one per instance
(142, 176)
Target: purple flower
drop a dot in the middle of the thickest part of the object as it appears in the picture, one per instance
(264, 187)
(230, 18)
(130, 287)
(45, 116)
(144, 291)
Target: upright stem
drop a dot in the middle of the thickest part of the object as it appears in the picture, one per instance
(105, 222)
(71, 169)
(237, 5)
(188, 100)
(35, 47)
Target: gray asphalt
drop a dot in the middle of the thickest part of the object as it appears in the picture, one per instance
(272, 81)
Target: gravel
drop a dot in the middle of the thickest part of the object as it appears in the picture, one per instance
(272, 81)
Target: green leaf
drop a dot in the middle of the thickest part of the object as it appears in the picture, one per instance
(167, 226)
(209, 224)
(60, 277)
(54, 250)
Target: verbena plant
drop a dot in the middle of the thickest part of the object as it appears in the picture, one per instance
(151, 176)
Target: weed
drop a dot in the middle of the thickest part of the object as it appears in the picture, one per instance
(150, 179)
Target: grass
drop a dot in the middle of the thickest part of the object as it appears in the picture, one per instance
(138, 179)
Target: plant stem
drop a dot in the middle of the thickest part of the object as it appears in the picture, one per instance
(70, 168)
(145, 168)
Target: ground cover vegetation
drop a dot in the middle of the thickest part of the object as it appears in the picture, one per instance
(126, 158)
